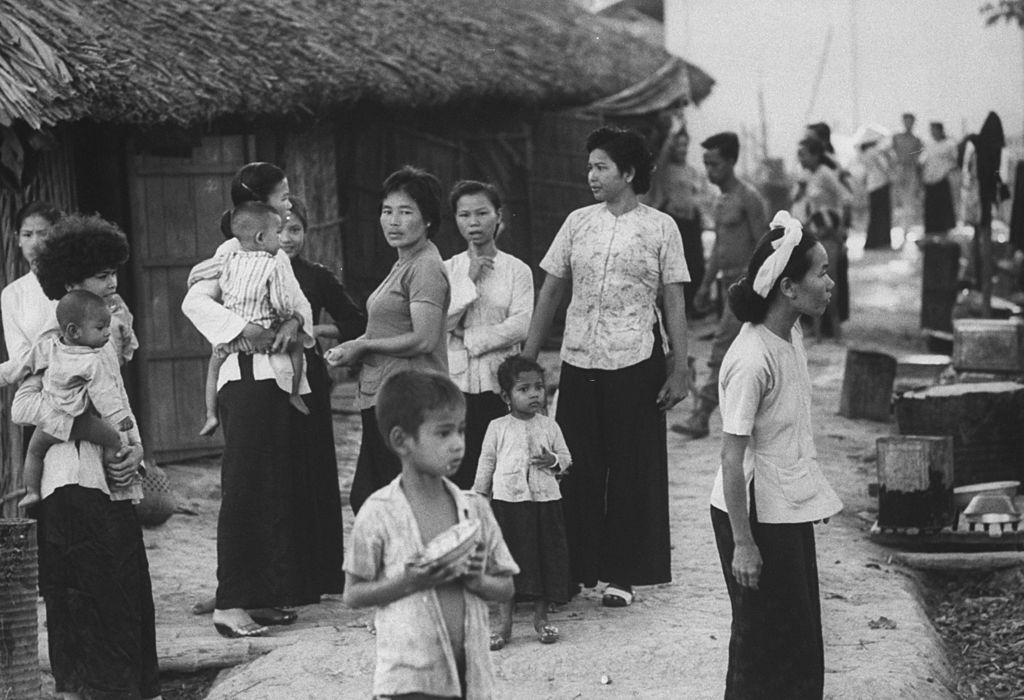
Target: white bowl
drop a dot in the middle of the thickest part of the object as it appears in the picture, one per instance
(962, 495)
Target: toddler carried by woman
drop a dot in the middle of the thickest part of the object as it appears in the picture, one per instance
(522, 457)
(81, 373)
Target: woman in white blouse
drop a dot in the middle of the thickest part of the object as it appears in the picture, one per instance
(25, 310)
(617, 256)
(489, 316)
(770, 489)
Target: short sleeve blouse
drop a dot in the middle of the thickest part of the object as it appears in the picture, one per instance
(617, 264)
(420, 279)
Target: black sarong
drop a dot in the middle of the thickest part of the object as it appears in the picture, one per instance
(615, 496)
(776, 648)
(939, 216)
(94, 579)
(376, 466)
(268, 546)
(879, 218)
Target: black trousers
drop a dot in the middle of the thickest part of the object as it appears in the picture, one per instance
(776, 648)
(615, 496)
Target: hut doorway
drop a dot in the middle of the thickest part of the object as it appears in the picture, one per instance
(176, 205)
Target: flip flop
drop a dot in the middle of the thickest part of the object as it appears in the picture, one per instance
(498, 642)
(250, 630)
(548, 634)
(615, 597)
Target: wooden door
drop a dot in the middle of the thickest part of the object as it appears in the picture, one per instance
(176, 208)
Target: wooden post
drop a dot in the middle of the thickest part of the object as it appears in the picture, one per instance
(19, 624)
(984, 419)
(867, 385)
(915, 481)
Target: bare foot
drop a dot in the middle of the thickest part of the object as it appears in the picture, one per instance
(205, 606)
(30, 499)
(299, 404)
(210, 426)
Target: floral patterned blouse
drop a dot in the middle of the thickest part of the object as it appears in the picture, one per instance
(617, 265)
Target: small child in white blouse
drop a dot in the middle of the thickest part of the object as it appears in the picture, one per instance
(432, 618)
(80, 373)
(252, 286)
(523, 456)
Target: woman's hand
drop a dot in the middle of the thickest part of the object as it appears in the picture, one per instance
(746, 565)
(125, 470)
(260, 337)
(348, 353)
(286, 335)
(479, 266)
(675, 389)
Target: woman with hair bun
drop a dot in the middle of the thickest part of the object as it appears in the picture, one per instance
(616, 256)
(769, 489)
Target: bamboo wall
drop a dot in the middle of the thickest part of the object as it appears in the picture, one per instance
(54, 182)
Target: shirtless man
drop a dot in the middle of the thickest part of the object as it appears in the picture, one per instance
(740, 221)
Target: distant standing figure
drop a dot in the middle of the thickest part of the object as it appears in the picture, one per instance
(740, 221)
(938, 161)
(683, 192)
(489, 317)
(769, 489)
(818, 203)
(907, 148)
(877, 159)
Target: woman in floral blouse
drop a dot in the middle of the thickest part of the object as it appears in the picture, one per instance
(617, 255)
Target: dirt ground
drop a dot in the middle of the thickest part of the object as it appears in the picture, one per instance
(673, 641)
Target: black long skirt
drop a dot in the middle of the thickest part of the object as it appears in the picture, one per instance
(879, 218)
(776, 648)
(481, 409)
(535, 534)
(94, 579)
(268, 548)
(615, 496)
(939, 216)
(377, 465)
(324, 514)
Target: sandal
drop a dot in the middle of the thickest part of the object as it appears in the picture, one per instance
(615, 597)
(231, 632)
(498, 642)
(548, 634)
(273, 616)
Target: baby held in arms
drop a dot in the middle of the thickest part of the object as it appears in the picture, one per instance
(81, 377)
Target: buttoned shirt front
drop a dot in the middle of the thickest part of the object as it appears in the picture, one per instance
(617, 265)
(504, 471)
(494, 313)
(414, 651)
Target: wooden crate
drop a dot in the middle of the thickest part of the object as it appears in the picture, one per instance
(988, 345)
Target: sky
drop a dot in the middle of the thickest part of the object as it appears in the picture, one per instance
(935, 58)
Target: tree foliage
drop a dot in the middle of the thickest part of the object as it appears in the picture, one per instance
(1003, 11)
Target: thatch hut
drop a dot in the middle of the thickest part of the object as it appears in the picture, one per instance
(142, 110)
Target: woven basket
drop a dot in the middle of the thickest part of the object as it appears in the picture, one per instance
(160, 501)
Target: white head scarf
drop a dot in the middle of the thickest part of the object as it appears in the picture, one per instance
(771, 269)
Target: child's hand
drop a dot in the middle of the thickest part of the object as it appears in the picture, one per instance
(545, 460)
(423, 576)
(474, 568)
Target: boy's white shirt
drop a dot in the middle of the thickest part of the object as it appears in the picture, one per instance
(220, 325)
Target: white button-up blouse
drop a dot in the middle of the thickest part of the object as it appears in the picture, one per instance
(617, 265)
(495, 314)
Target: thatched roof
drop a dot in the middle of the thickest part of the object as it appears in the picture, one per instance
(189, 61)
